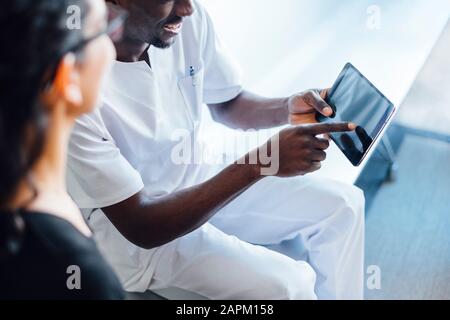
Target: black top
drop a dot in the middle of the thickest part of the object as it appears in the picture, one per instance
(54, 261)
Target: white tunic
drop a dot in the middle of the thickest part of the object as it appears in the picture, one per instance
(126, 145)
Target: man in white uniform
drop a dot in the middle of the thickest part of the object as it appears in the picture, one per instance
(166, 224)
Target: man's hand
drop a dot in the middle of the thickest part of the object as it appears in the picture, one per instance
(304, 106)
(300, 150)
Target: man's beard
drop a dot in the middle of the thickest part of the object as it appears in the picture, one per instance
(158, 43)
(151, 37)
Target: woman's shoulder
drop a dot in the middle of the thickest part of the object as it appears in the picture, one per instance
(69, 255)
(79, 253)
(56, 233)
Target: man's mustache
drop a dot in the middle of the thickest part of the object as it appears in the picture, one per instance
(173, 20)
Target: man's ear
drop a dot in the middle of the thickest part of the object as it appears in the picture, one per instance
(66, 85)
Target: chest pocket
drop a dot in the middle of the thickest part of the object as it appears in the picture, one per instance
(191, 88)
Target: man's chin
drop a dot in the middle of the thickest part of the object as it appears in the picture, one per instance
(163, 44)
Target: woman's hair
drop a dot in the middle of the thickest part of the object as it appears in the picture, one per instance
(34, 35)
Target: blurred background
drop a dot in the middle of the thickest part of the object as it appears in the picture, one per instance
(403, 47)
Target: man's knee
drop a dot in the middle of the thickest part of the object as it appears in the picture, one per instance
(350, 202)
(297, 284)
(352, 197)
(262, 274)
(334, 197)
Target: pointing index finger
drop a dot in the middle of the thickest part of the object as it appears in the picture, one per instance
(316, 129)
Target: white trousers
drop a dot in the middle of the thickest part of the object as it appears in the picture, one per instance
(225, 259)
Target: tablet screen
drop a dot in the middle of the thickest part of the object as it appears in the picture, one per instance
(355, 99)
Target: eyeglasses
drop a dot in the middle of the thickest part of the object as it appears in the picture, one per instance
(114, 29)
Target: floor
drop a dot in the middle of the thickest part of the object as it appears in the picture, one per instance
(408, 219)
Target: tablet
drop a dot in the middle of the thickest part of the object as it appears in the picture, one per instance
(355, 99)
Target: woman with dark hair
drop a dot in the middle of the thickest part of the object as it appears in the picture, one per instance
(53, 58)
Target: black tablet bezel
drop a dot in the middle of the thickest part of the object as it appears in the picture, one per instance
(321, 118)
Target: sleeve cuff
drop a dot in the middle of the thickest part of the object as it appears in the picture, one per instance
(117, 197)
(222, 95)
